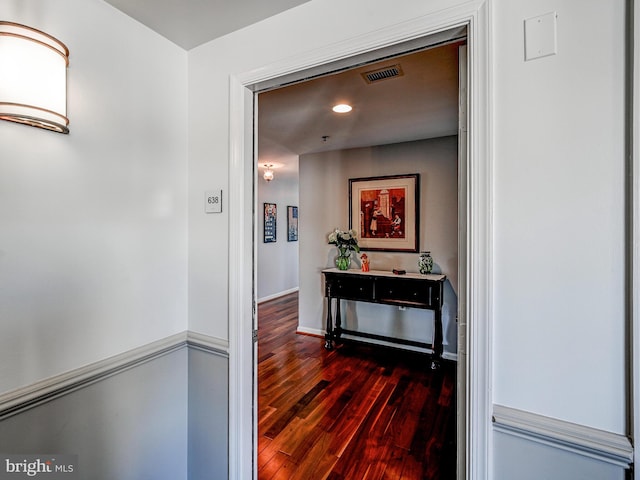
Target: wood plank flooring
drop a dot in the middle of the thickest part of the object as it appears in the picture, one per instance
(354, 413)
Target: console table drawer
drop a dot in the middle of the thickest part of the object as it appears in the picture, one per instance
(344, 288)
(407, 292)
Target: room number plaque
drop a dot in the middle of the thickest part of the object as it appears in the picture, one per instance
(213, 201)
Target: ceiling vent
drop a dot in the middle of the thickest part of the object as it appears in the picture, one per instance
(384, 73)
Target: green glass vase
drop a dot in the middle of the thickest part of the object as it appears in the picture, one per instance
(343, 260)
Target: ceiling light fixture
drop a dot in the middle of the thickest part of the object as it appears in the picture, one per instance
(342, 108)
(33, 85)
(268, 173)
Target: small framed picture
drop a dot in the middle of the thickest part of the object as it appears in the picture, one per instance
(270, 222)
(292, 224)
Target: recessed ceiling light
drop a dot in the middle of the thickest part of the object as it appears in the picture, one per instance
(342, 108)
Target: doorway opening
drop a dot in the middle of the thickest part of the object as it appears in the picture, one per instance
(413, 125)
(474, 301)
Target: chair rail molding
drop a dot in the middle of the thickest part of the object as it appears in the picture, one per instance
(600, 445)
(21, 399)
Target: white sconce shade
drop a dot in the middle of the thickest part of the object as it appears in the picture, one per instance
(33, 78)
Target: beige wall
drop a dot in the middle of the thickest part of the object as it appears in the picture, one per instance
(324, 183)
(277, 262)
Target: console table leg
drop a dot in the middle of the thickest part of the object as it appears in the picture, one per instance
(328, 337)
(338, 329)
(436, 359)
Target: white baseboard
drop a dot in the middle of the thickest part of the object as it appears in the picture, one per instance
(604, 446)
(20, 399)
(450, 356)
(321, 333)
(278, 295)
(310, 331)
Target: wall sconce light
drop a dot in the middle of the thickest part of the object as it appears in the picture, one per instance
(268, 173)
(33, 78)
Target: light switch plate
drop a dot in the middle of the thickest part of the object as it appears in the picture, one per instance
(540, 36)
(213, 201)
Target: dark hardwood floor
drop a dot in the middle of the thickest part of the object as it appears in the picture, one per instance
(354, 413)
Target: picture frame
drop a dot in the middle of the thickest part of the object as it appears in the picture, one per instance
(384, 212)
(270, 222)
(292, 223)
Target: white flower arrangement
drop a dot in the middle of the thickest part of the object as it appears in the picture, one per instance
(344, 240)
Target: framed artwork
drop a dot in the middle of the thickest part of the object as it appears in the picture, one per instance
(270, 219)
(384, 212)
(292, 224)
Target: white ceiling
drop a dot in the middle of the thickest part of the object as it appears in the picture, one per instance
(189, 23)
(420, 104)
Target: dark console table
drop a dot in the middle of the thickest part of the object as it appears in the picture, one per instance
(409, 290)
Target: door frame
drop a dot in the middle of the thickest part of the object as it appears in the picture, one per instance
(477, 302)
(633, 225)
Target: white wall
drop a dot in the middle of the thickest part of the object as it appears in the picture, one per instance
(127, 426)
(525, 460)
(277, 261)
(208, 418)
(557, 318)
(324, 194)
(559, 215)
(312, 25)
(93, 238)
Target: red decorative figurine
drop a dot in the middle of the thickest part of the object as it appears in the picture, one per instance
(365, 262)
